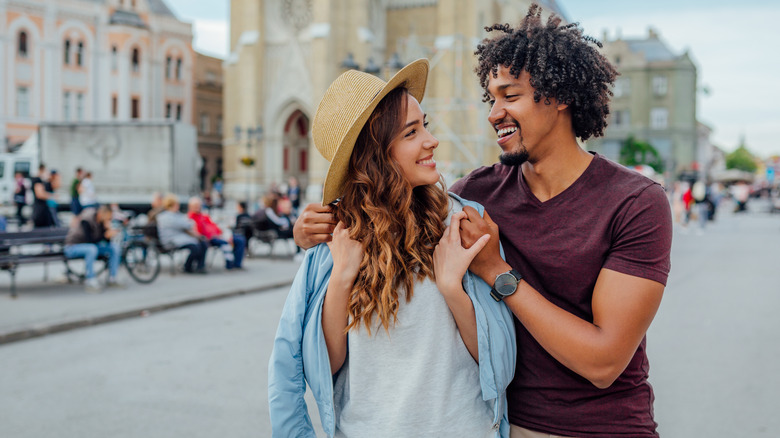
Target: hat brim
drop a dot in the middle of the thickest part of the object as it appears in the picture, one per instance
(414, 77)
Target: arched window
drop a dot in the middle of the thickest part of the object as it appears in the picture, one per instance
(80, 54)
(168, 61)
(136, 59)
(178, 69)
(67, 52)
(114, 58)
(22, 44)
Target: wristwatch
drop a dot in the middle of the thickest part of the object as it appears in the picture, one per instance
(505, 285)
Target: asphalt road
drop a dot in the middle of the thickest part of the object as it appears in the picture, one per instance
(201, 371)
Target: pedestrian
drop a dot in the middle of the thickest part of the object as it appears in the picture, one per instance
(243, 221)
(177, 231)
(294, 194)
(41, 213)
(75, 204)
(233, 251)
(87, 196)
(20, 198)
(402, 355)
(88, 238)
(587, 241)
(51, 186)
(699, 193)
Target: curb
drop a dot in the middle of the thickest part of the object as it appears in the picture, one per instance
(35, 332)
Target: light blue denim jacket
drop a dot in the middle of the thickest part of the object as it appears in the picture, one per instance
(300, 356)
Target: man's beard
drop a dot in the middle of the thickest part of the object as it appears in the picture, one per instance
(514, 158)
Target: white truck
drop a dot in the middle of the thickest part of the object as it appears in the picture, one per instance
(129, 161)
(10, 164)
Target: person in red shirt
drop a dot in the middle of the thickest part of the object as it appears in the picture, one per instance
(234, 254)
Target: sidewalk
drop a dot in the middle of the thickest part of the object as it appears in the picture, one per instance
(54, 306)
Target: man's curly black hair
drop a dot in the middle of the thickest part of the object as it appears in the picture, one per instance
(562, 63)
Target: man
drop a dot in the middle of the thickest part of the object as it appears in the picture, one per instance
(20, 198)
(51, 187)
(89, 237)
(207, 228)
(87, 196)
(75, 205)
(587, 241)
(41, 214)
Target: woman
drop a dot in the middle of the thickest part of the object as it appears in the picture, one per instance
(385, 350)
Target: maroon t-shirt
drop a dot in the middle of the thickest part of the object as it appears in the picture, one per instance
(611, 217)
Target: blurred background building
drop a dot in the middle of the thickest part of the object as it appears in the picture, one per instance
(285, 53)
(654, 102)
(91, 60)
(208, 114)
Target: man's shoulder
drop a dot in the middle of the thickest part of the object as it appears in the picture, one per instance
(481, 176)
(621, 180)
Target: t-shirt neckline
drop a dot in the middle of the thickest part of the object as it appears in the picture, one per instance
(560, 197)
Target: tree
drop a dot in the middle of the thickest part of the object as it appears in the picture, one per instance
(635, 152)
(741, 159)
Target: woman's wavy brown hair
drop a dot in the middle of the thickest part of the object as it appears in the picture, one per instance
(399, 226)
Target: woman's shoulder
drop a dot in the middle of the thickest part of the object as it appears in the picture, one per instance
(457, 204)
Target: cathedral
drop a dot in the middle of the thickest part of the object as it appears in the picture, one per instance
(285, 53)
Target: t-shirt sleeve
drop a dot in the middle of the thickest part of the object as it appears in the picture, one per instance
(642, 237)
(459, 188)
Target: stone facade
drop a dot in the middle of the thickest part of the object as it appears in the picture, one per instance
(91, 60)
(654, 100)
(208, 117)
(285, 53)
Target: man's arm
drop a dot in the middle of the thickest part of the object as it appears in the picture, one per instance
(623, 308)
(314, 226)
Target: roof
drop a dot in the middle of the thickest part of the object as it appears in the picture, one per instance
(159, 7)
(652, 48)
(127, 18)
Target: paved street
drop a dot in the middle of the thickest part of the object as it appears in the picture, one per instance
(201, 370)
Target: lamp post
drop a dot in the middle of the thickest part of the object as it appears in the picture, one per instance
(252, 135)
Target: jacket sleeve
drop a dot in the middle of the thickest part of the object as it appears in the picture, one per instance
(286, 384)
(496, 335)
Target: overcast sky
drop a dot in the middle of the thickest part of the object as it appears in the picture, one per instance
(734, 46)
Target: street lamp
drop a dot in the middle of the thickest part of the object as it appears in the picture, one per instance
(252, 135)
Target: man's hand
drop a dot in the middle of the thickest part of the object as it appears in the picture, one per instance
(314, 226)
(488, 263)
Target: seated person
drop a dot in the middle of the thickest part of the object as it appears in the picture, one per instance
(90, 236)
(243, 221)
(279, 220)
(279, 214)
(177, 231)
(207, 228)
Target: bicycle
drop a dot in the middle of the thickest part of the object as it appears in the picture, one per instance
(139, 256)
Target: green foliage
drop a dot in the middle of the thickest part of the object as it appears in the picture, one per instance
(741, 159)
(634, 153)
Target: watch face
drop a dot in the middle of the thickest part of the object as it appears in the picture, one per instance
(506, 284)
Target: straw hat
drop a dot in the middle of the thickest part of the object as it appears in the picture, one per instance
(345, 108)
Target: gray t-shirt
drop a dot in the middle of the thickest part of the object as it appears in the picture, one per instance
(172, 229)
(418, 380)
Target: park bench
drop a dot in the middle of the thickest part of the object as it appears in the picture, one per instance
(50, 242)
(42, 245)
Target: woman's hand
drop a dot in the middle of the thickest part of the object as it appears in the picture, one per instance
(451, 260)
(347, 255)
